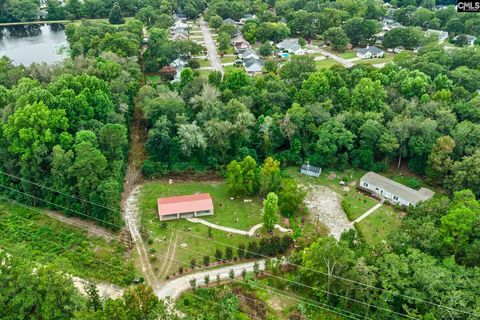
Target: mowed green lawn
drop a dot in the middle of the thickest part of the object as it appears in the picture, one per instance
(378, 225)
(326, 63)
(191, 238)
(46, 240)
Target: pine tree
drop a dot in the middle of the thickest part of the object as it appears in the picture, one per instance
(116, 16)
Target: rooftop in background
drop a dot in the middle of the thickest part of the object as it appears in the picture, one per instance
(184, 204)
(411, 195)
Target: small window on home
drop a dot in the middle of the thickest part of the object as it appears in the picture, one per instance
(395, 198)
(365, 184)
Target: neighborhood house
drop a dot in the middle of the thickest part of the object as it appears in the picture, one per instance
(291, 46)
(370, 52)
(195, 205)
(393, 191)
(440, 35)
(468, 38)
(310, 170)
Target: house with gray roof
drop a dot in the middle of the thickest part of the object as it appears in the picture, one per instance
(253, 65)
(439, 34)
(178, 64)
(470, 39)
(370, 52)
(393, 191)
(247, 54)
(309, 170)
(291, 46)
(229, 21)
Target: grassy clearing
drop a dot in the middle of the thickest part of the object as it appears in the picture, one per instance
(355, 202)
(326, 64)
(46, 240)
(192, 239)
(378, 225)
(153, 80)
(387, 58)
(204, 63)
(348, 54)
(228, 59)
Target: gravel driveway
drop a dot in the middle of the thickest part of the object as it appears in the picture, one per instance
(325, 205)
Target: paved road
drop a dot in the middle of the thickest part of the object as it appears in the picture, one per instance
(211, 47)
(344, 62)
(175, 287)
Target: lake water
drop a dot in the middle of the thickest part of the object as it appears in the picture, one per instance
(34, 43)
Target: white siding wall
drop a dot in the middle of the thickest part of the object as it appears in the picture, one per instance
(384, 193)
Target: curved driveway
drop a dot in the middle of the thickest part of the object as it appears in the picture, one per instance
(175, 287)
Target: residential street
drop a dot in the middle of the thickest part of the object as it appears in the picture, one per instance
(175, 287)
(211, 47)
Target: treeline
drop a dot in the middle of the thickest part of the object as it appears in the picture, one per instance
(32, 291)
(27, 10)
(428, 269)
(422, 110)
(65, 128)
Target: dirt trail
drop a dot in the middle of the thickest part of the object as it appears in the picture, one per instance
(133, 179)
(92, 229)
(170, 256)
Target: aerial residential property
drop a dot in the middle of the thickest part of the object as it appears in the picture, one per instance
(291, 46)
(239, 160)
(188, 206)
(370, 52)
(393, 191)
(309, 170)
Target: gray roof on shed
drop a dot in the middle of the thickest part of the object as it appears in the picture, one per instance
(310, 168)
(397, 189)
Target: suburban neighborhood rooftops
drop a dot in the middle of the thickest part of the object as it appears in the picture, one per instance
(287, 44)
(229, 21)
(372, 49)
(400, 190)
(310, 168)
(183, 204)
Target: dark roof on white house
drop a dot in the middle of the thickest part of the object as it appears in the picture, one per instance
(310, 168)
(372, 49)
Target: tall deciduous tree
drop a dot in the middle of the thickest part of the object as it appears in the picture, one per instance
(270, 211)
(116, 16)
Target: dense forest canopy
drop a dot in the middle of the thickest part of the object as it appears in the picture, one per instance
(64, 136)
(66, 126)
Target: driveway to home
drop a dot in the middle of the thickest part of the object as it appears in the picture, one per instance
(175, 287)
(249, 233)
(344, 62)
(211, 47)
(369, 212)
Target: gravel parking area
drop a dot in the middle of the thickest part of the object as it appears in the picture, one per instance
(325, 205)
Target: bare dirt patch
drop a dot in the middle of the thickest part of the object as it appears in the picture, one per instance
(324, 205)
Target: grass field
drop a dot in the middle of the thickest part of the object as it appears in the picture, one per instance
(192, 239)
(228, 59)
(378, 225)
(153, 79)
(387, 58)
(204, 63)
(349, 54)
(326, 64)
(46, 240)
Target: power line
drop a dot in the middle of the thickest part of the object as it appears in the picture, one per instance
(123, 269)
(297, 283)
(226, 245)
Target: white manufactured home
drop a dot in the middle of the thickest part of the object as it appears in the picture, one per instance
(393, 191)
